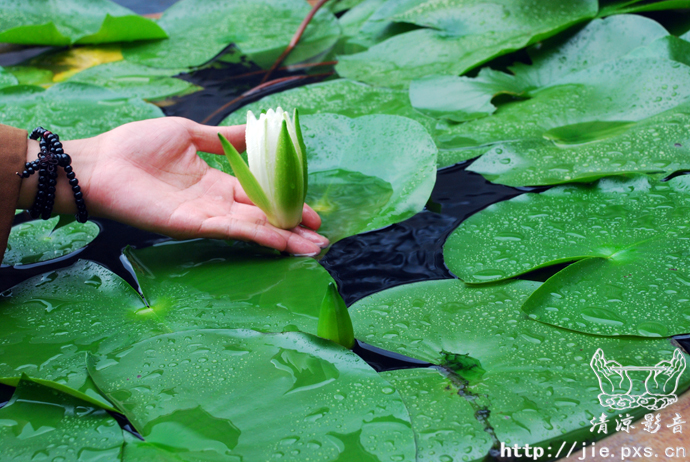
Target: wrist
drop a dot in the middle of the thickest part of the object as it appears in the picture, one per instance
(64, 197)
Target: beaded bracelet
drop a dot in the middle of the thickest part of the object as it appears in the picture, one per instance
(49, 159)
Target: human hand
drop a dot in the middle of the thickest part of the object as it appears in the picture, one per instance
(147, 174)
(663, 380)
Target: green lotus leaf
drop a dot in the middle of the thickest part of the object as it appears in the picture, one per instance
(337, 6)
(534, 379)
(462, 35)
(608, 7)
(39, 422)
(49, 322)
(73, 110)
(364, 173)
(35, 22)
(547, 138)
(211, 284)
(7, 79)
(39, 240)
(626, 234)
(443, 420)
(261, 29)
(195, 394)
(135, 80)
(460, 99)
(30, 75)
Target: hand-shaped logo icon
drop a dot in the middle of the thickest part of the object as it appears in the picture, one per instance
(617, 387)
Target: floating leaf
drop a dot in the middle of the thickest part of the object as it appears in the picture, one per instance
(460, 99)
(35, 22)
(628, 235)
(49, 322)
(261, 29)
(135, 80)
(219, 394)
(38, 240)
(443, 420)
(74, 110)
(464, 35)
(211, 284)
(7, 79)
(537, 142)
(638, 6)
(42, 423)
(537, 382)
(364, 173)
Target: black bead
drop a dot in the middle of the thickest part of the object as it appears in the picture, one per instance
(73, 182)
(68, 169)
(59, 150)
(40, 194)
(50, 197)
(51, 189)
(79, 201)
(78, 194)
(64, 160)
(52, 182)
(76, 188)
(30, 170)
(70, 175)
(42, 171)
(41, 187)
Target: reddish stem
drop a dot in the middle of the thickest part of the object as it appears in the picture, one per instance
(259, 88)
(295, 39)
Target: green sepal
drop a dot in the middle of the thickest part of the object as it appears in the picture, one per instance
(289, 184)
(303, 148)
(246, 177)
(334, 319)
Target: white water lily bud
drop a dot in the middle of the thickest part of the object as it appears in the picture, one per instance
(276, 180)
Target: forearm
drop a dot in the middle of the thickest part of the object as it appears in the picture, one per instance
(12, 155)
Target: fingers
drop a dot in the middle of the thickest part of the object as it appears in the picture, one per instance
(310, 235)
(205, 137)
(310, 218)
(260, 232)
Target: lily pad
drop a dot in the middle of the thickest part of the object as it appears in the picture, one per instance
(261, 29)
(547, 141)
(38, 240)
(134, 80)
(74, 110)
(626, 234)
(223, 394)
(7, 79)
(638, 6)
(49, 322)
(212, 284)
(443, 420)
(42, 423)
(463, 35)
(535, 380)
(364, 173)
(35, 22)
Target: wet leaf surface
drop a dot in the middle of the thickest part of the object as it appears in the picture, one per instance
(261, 29)
(443, 420)
(40, 423)
(193, 393)
(38, 240)
(135, 80)
(631, 237)
(535, 379)
(49, 322)
(213, 284)
(74, 110)
(35, 22)
(460, 36)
